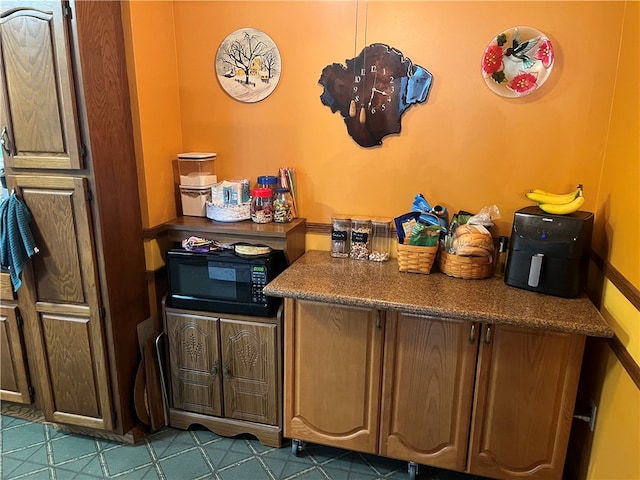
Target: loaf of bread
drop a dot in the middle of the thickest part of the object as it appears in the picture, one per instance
(472, 240)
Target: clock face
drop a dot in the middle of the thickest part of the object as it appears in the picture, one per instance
(373, 91)
(248, 65)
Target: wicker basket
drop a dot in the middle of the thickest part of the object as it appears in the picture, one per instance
(472, 268)
(229, 213)
(416, 259)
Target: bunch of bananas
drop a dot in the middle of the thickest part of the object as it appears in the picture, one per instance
(558, 204)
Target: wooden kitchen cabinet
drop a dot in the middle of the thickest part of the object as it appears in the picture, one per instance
(39, 122)
(225, 373)
(65, 314)
(15, 384)
(333, 374)
(67, 145)
(526, 387)
(495, 401)
(429, 369)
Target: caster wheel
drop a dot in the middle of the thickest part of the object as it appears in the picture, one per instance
(413, 470)
(296, 447)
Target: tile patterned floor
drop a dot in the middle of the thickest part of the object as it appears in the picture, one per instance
(38, 451)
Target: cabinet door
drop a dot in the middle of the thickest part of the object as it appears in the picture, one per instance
(39, 123)
(60, 300)
(250, 371)
(194, 363)
(14, 379)
(333, 374)
(428, 387)
(525, 394)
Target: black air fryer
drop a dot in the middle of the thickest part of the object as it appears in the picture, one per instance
(549, 253)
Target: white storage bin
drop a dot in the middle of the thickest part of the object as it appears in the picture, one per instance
(194, 200)
(197, 169)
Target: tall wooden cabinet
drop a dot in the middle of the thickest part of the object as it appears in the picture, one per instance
(68, 148)
(489, 400)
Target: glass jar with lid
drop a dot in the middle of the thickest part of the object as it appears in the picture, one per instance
(380, 241)
(340, 235)
(282, 205)
(360, 232)
(261, 205)
(268, 181)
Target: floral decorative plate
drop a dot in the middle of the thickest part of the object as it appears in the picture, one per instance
(517, 61)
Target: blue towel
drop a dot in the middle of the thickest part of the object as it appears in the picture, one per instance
(16, 240)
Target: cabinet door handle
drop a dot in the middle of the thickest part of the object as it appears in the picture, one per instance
(472, 333)
(378, 319)
(487, 335)
(226, 372)
(4, 141)
(214, 369)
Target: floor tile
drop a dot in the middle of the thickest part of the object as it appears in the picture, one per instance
(190, 464)
(34, 451)
(22, 434)
(70, 447)
(250, 468)
(127, 457)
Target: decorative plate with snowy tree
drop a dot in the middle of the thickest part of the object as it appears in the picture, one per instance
(248, 65)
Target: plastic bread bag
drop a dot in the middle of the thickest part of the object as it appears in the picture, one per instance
(473, 238)
(486, 216)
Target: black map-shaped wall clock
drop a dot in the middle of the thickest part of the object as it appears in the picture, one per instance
(373, 91)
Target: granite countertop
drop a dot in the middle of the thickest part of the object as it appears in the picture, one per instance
(316, 276)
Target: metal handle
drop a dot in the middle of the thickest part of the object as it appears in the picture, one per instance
(378, 319)
(4, 140)
(214, 369)
(472, 333)
(226, 372)
(487, 335)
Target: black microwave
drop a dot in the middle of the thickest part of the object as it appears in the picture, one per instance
(223, 281)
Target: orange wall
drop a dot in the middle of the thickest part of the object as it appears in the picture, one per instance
(155, 96)
(616, 439)
(465, 147)
(617, 233)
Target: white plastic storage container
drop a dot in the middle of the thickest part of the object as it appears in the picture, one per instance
(197, 169)
(194, 200)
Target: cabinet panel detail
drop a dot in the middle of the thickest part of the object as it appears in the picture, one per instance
(57, 267)
(335, 350)
(40, 95)
(249, 359)
(14, 378)
(429, 371)
(195, 366)
(69, 352)
(541, 370)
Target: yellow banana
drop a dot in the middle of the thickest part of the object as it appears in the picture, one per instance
(565, 208)
(540, 196)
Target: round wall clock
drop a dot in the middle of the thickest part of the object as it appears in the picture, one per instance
(373, 90)
(248, 65)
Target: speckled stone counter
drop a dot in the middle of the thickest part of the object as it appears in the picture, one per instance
(317, 276)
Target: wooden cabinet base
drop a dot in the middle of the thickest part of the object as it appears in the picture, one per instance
(270, 435)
